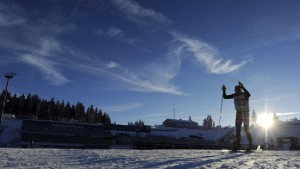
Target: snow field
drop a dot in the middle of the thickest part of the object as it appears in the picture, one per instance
(133, 159)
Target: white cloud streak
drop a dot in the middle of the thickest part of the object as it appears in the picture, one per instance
(144, 17)
(121, 108)
(119, 34)
(279, 98)
(30, 44)
(205, 54)
(47, 68)
(268, 31)
(115, 32)
(143, 82)
(287, 113)
(112, 64)
(158, 115)
(8, 17)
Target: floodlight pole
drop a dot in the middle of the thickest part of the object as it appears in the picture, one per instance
(8, 76)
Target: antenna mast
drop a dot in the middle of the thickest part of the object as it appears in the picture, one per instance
(174, 110)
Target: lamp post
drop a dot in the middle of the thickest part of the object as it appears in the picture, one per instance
(8, 76)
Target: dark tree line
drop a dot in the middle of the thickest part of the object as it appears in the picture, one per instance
(137, 123)
(32, 106)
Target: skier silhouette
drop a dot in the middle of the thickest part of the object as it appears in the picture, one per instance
(241, 103)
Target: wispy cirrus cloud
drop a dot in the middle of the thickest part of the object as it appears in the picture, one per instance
(8, 17)
(123, 107)
(205, 54)
(267, 30)
(139, 81)
(119, 34)
(47, 68)
(272, 99)
(30, 44)
(158, 115)
(287, 113)
(143, 17)
(112, 64)
(164, 114)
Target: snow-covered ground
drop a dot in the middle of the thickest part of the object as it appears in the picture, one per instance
(118, 158)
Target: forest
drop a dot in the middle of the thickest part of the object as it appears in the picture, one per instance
(33, 107)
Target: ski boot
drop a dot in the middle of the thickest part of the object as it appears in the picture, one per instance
(249, 148)
(236, 148)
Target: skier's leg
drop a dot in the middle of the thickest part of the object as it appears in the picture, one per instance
(238, 124)
(247, 131)
(248, 134)
(246, 126)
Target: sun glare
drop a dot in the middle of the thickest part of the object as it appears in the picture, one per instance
(265, 120)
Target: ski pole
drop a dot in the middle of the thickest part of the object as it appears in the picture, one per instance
(221, 111)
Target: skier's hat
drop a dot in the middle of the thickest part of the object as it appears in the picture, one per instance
(237, 88)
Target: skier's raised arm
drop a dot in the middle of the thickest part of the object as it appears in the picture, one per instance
(225, 96)
(247, 94)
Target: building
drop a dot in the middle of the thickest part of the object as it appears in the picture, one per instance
(174, 123)
(42, 133)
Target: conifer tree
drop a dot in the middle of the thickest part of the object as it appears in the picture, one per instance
(42, 109)
(254, 117)
(208, 123)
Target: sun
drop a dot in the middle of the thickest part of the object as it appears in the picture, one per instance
(265, 120)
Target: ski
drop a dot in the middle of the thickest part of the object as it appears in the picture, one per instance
(238, 151)
(242, 151)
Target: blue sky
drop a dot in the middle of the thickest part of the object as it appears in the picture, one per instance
(135, 59)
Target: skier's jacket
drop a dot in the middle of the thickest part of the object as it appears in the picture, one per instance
(241, 100)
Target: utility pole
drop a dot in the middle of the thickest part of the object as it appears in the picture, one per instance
(8, 76)
(174, 110)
